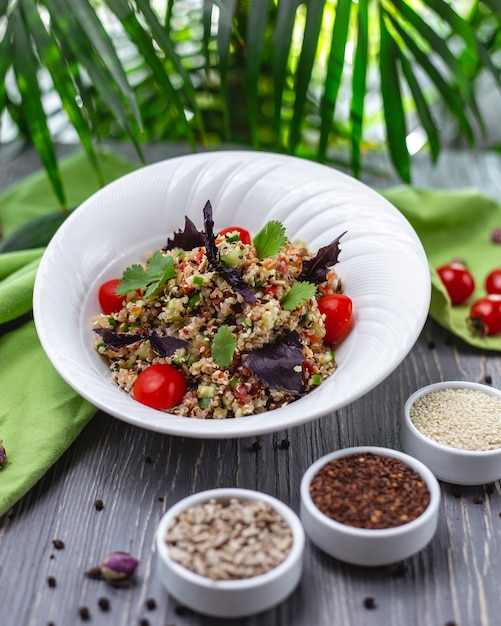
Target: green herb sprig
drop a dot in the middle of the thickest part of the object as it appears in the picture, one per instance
(223, 346)
(270, 239)
(159, 269)
(300, 292)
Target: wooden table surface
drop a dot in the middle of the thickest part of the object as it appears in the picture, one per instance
(138, 474)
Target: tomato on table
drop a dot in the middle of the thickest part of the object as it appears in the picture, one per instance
(458, 281)
(493, 281)
(337, 309)
(485, 315)
(108, 298)
(160, 386)
(243, 234)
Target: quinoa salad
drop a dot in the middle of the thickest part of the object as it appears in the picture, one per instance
(238, 321)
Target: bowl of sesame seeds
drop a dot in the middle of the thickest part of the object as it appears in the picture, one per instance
(369, 505)
(230, 552)
(454, 427)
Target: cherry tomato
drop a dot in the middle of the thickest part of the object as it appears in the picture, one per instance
(337, 309)
(493, 281)
(485, 315)
(244, 234)
(458, 281)
(160, 386)
(108, 298)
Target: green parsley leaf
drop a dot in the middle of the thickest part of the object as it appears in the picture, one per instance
(159, 269)
(223, 346)
(270, 239)
(298, 294)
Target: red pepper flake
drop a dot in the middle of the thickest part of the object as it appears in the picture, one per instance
(367, 490)
(58, 544)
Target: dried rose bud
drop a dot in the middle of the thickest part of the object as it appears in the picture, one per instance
(118, 568)
(496, 235)
(3, 455)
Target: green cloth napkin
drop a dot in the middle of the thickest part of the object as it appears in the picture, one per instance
(40, 415)
(454, 225)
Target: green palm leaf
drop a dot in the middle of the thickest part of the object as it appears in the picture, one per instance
(462, 28)
(256, 28)
(225, 29)
(5, 61)
(359, 85)
(78, 50)
(49, 51)
(312, 27)
(335, 67)
(438, 45)
(422, 108)
(103, 46)
(144, 43)
(447, 91)
(162, 39)
(282, 42)
(394, 116)
(25, 67)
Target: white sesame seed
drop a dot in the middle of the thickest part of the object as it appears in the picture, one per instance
(459, 418)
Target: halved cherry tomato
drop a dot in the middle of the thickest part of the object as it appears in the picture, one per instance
(337, 309)
(458, 281)
(160, 386)
(108, 298)
(485, 315)
(493, 281)
(243, 234)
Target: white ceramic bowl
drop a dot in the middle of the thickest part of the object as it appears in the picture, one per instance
(453, 465)
(382, 264)
(231, 598)
(369, 547)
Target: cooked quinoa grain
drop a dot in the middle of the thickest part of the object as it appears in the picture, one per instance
(466, 419)
(199, 306)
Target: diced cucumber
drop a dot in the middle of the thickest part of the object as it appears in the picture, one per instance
(326, 357)
(206, 391)
(232, 258)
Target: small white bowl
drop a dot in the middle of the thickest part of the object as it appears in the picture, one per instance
(362, 546)
(231, 598)
(452, 465)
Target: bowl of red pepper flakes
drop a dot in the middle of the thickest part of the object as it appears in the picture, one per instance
(369, 505)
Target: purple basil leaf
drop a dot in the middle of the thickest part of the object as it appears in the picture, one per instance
(117, 340)
(165, 346)
(230, 274)
(315, 269)
(233, 278)
(186, 239)
(209, 239)
(273, 365)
